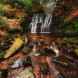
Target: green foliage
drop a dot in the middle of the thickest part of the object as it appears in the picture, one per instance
(1, 1)
(71, 26)
(2, 54)
(27, 2)
(2, 23)
(1, 9)
(76, 25)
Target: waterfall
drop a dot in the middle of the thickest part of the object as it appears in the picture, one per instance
(45, 28)
(41, 24)
(36, 19)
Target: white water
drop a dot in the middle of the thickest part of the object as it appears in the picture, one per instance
(45, 23)
(45, 28)
(39, 19)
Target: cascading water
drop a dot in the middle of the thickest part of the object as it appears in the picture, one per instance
(42, 23)
(46, 25)
(36, 21)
